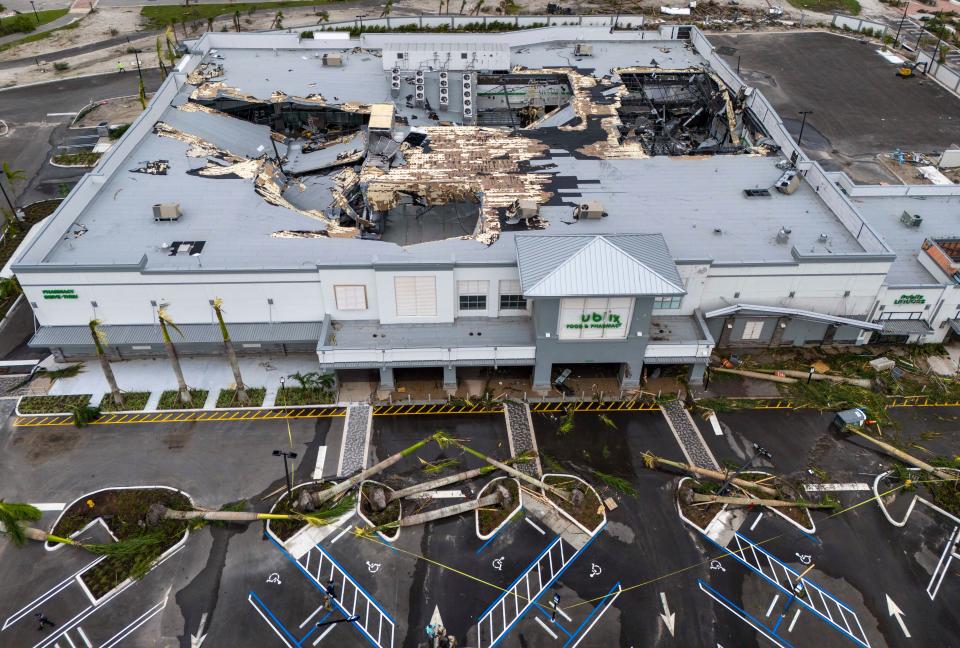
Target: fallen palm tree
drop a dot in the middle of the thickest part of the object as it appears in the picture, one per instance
(453, 479)
(501, 497)
(806, 375)
(901, 455)
(698, 498)
(311, 500)
(652, 461)
(443, 439)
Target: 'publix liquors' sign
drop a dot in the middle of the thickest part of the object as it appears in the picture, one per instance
(910, 299)
(596, 320)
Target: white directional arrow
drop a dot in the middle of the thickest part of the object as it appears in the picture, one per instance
(435, 620)
(894, 610)
(669, 618)
(196, 640)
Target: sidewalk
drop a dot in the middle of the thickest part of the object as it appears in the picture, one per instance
(210, 373)
(62, 21)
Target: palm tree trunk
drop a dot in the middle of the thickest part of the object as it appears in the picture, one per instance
(439, 483)
(448, 511)
(33, 533)
(111, 379)
(513, 472)
(653, 460)
(903, 456)
(318, 498)
(185, 396)
(231, 354)
(746, 501)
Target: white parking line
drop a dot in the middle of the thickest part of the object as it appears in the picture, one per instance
(133, 625)
(83, 635)
(794, 622)
(546, 627)
(312, 614)
(534, 525)
(272, 627)
(597, 618)
(321, 456)
(325, 633)
(49, 506)
(756, 521)
(772, 603)
(341, 534)
(69, 640)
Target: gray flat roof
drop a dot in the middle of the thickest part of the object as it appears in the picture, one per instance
(941, 219)
(108, 221)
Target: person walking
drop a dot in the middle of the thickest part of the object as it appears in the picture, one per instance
(43, 621)
(329, 593)
(119, 66)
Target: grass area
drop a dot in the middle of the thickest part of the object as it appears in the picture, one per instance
(170, 400)
(85, 158)
(586, 512)
(284, 529)
(131, 401)
(158, 17)
(52, 404)
(117, 131)
(27, 22)
(303, 396)
(851, 7)
(228, 397)
(125, 513)
(32, 38)
(492, 516)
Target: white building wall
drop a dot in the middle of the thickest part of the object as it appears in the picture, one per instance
(366, 277)
(386, 297)
(492, 275)
(124, 298)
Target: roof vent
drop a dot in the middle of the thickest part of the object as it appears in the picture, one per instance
(590, 211)
(824, 237)
(166, 212)
(583, 49)
(332, 59)
(784, 235)
(756, 193)
(911, 220)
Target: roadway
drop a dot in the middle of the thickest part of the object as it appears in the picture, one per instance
(38, 117)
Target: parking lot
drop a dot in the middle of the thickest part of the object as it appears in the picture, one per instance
(646, 578)
(860, 108)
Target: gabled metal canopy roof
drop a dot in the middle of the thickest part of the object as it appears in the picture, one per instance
(588, 266)
(792, 312)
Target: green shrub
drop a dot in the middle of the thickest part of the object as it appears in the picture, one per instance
(228, 397)
(19, 24)
(170, 400)
(131, 401)
(117, 131)
(84, 158)
(52, 404)
(60, 66)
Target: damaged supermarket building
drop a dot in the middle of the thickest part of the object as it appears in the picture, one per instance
(544, 198)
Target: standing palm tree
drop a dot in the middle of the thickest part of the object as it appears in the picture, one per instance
(165, 322)
(99, 339)
(12, 517)
(13, 175)
(231, 354)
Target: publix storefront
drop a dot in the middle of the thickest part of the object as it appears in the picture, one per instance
(593, 299)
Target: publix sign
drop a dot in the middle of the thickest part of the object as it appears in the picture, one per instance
(597, 320)
(910, 299)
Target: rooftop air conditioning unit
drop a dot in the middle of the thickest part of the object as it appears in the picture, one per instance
(419, 96)
(444, 83)
(522, 209)
(444, 76)
(167, 212)
(911, 220)
(332, 60)
(467, 77)
(444, 97)
(590, 211)
(788, 182)
(583, 49)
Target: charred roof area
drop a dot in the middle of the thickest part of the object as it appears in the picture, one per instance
(684, 112)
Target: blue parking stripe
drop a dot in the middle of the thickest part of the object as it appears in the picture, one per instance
(315, 626)
(549, 584)
(549, 616)
(529, 567)
(753, 620)
(492, 538)
(592, 612)
(275, 619)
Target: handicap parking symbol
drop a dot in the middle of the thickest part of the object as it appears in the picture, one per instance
(804, 558)
(498, 563)
(716, 566)
(274, 578)
(373, 568)
(595, 570)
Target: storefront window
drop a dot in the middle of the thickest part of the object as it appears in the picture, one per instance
(594, 318)
(511, 296)
(667, 302)
(472, 295)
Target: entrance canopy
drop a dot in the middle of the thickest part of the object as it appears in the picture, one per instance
(777, 311)
(596, 266)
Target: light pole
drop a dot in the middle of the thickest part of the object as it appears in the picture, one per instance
(758, 451)
(286, 468)
(803, 123)
(350, 619)
(35, 14)
(896, 38)
(283, 397)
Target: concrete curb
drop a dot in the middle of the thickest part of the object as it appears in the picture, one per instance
(570, 517)
(506, 520)
(168, 411)
(811, 529)
(913, 502)
(79, 76)
(364, 517)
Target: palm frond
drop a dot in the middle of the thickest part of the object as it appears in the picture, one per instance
(165, 318)
(11, 516)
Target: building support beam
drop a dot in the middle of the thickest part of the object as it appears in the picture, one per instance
(450, 379)
(386, 380)
(697, 369)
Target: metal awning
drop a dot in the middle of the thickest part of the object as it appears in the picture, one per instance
(779, 311)
(954, 326)
(122, 334)
(906, 327)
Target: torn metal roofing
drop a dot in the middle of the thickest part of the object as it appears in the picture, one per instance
(792, 312)
(586, 266)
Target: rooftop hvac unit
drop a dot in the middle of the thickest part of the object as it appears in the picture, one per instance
(788, 182)
(444, 97)
(419, 76)
(583, 49)
(443, 76)
(419, 96)
(444, 83)
(167, 212)
(522, 209)
(784, 235)
(467, 77)
(332, 60)
(590, 211)
(911, 220)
